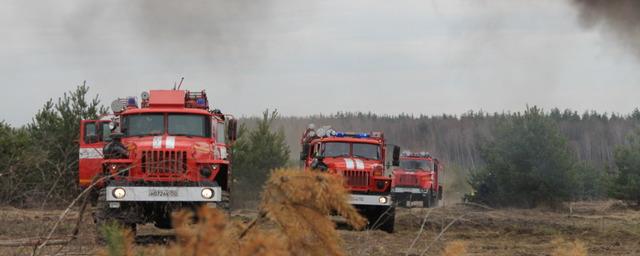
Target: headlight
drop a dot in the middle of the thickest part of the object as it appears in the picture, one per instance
(383, 200)
(119, 193)
(207, 193)
(113, 168)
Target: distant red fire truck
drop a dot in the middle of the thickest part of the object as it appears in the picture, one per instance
(360, 159)
(167, 153)
(417, 179)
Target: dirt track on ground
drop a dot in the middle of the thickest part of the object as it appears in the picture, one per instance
(603, 228)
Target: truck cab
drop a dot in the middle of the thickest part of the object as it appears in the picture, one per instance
(417, 179)
(360, 159)
(168, 152)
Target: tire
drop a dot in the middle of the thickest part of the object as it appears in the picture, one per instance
(104, 216)
(427, 200)
(403, 203)
(389, 219)
(435, 201)
(225, 204)
(382, 218)
(163, 223)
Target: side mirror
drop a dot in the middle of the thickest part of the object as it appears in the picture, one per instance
(436, 165)
(396, 156)
(232, 130)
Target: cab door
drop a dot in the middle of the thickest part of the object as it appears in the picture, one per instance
(93, 137)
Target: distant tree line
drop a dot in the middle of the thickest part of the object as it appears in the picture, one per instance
(592, 136)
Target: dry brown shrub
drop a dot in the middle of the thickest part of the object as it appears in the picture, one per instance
(293, 220)
(300, 203)
(455, 248)
(563, 248)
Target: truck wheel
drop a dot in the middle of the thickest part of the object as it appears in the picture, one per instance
(382, 218)
(104, 216)
(403, 203)
(426, 201)
(163, 223)
(225, 204)
(388, 219)
(435, 201)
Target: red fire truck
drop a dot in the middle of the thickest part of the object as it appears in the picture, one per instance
(417, 179)
(169, 152)
(360, 159)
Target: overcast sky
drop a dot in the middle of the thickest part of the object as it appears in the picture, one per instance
(432, 57)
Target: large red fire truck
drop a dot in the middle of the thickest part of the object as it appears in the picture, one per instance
(360, 159)
(417, 179)
(170, 152)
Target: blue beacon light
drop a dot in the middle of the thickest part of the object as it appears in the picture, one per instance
(131, 102)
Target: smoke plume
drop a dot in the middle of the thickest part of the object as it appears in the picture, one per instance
(619, 18)
(217, 35)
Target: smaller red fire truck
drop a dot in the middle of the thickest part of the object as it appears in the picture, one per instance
(417, 179)
(360, 159)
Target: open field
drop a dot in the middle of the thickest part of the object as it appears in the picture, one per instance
(602, 228)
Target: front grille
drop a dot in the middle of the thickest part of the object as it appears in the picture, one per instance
(356, 178)
(408, 180)
(164, 163)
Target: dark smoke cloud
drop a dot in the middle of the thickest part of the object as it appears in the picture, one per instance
(224, 36)
(620, 18)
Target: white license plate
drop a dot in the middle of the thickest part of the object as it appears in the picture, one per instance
(163, 193)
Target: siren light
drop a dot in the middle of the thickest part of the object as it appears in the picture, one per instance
(131, 102)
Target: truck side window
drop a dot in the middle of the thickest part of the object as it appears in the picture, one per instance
(220, 137)
(90, 133)
(106, 131)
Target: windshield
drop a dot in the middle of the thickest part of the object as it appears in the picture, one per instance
(178, 125)
(188, 125)
(335, 149)
(144, 125)
(343, 149)
(368, 151)
(412, 165)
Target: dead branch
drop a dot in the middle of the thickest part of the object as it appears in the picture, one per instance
(84, 193)
(424, 222)
(444, 230)
(33, 242)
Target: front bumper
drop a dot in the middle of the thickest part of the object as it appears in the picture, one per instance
(382, 200)
(164, 194)
(408, 190)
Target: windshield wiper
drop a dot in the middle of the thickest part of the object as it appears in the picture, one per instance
(146, 134)
(342, 155)
(365, 157)
(184, 134)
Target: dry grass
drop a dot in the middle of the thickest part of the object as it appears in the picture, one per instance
(455, 248)
(293, 220)
(563, 248)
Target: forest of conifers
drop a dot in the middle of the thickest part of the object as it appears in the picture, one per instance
(591, 135)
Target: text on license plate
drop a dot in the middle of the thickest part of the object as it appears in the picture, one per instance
(163, 193)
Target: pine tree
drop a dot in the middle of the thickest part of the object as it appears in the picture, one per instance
(626, 185)
(528, 164)
(257, 152)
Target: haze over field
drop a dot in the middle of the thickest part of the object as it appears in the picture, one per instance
(440, 56)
